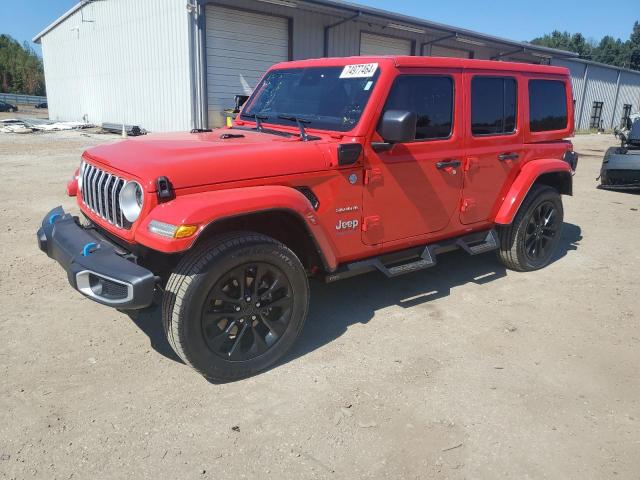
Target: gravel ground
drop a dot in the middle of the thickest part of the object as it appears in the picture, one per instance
(463, 371)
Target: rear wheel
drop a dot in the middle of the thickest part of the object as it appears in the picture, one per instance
(236, 305)
(532, 238)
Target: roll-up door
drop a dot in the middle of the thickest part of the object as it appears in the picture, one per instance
(241, 46)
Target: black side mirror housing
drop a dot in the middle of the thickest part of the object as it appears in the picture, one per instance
(398, 126)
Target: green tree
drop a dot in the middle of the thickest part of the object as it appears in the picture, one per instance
(612, 52)
(634, 47)
(21, 69)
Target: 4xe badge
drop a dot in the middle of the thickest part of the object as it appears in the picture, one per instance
(343, 225)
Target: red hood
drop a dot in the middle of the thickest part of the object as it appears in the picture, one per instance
(189, 160)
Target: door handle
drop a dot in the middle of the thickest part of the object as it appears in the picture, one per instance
(448, 164)
(503, 157)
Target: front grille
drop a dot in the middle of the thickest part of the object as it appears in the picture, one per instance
(101, 194)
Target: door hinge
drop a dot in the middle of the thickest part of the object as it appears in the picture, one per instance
(372, 232)
(467, 204)
(370, 223)
(372, 176)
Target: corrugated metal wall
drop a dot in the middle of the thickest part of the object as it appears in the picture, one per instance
(601, 86)
(116, 61)
(629, 94)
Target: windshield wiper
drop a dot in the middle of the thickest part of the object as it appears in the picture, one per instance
(256, 117)
(259, 118)
(300, 122)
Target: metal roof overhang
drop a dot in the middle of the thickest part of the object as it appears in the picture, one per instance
(357, 10)
(447, 30)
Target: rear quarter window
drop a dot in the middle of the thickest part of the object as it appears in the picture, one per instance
(494, 105)
(547, 105)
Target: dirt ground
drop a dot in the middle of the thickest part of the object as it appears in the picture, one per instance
(463, 371)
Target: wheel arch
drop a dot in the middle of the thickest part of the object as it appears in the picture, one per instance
(284, 225)
(280, 212)
(552, 172)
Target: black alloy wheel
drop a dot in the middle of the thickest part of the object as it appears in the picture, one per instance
(531, 240)
(541, 231)
(235, 305)
(247, 311)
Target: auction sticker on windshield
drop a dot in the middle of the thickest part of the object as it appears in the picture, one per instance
(361, 70)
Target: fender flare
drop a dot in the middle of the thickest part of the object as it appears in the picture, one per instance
(527, 177)
(204, 209)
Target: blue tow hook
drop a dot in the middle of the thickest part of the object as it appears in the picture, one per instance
(89, 248)
(53, 218)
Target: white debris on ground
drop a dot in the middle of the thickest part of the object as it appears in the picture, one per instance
(30, 125)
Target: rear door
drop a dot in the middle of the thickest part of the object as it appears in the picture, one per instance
(494, 143)
(414, 188)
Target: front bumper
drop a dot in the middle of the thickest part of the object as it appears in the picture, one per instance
(95, 267)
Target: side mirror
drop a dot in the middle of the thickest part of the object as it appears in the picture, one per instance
(398, 126)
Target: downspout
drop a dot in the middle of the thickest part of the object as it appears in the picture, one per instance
(202, 62)
(334, 25)
(197, 63)
(191, 8)
(585, 79)
(615, 103)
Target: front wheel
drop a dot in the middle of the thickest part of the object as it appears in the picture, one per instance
(533, 237)
(235, 305)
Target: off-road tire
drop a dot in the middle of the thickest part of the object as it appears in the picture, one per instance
(192, 281)
(512, 237)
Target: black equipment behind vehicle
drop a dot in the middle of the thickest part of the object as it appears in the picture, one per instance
(621, 165)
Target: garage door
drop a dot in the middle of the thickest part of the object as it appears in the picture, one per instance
(371, 44)
(241, 46)
(440, 51)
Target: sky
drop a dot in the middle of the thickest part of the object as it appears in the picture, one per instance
(515, 20)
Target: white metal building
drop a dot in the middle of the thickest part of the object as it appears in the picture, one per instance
(177, 64)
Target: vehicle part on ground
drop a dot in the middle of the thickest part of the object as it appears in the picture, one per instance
(131, 130)
(621, 165)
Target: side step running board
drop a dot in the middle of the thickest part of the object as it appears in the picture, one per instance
(420, 258)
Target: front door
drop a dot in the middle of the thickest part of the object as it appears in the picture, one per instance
(494, 142)
(414, 188)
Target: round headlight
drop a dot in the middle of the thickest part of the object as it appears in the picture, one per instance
(131, 198)
(80, 174)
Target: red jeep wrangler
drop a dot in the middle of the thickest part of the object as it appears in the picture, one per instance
(334, 167)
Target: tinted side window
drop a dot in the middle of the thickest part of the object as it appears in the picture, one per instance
(494, 105)
(547, 105)
(431, 97)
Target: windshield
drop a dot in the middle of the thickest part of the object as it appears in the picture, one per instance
(327, 98)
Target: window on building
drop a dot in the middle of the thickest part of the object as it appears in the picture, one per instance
(596, 115)
(547, 105)
(431, 97)
(493, 105)
(626, 112)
